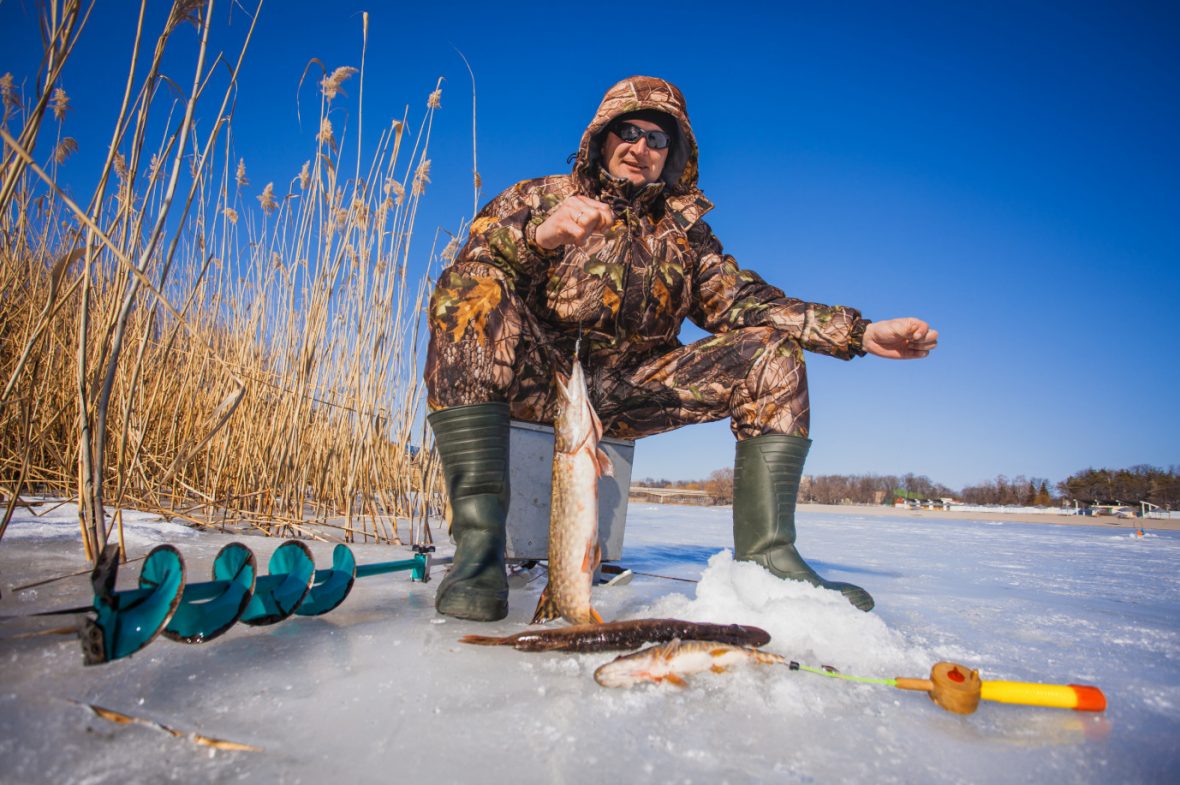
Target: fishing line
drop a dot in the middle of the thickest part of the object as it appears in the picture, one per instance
(64, 577)
(832, 673)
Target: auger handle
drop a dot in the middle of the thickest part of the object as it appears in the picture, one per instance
(1079, 697)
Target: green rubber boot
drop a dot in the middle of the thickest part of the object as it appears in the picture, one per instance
(472, 442)
(765, 486)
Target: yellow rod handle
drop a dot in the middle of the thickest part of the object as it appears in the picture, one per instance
(1080, 697)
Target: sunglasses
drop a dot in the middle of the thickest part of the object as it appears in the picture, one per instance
(656, 140)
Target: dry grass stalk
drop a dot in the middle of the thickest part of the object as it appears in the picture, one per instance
(208, 378)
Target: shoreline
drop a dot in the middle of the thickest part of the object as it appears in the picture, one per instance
(1101, 521)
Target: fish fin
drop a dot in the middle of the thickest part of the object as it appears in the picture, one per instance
(485, 640)
(596, 616)
(675, 679)
(669, 649)
(718, 669)
(594, 421)
(602, 461)
(592, 557)
(718, 652)
(546, 608)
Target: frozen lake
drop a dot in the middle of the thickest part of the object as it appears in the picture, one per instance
(379, 690)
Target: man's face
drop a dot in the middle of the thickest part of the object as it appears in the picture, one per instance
(635, 161)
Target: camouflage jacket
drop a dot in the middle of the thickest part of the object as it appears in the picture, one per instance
(629, 291)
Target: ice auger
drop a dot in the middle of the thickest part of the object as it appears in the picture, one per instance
(123, 622)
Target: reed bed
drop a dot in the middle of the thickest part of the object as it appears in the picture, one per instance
(192, 342)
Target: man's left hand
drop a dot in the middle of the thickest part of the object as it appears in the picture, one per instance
(900, 339)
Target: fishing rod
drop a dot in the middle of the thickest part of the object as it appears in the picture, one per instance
(622, 575)
(614, 569)
(958, 689)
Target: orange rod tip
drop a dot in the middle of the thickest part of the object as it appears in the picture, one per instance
(1089, 698)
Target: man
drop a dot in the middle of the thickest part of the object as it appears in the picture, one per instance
(617, 253)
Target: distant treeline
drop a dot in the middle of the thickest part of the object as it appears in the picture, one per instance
(1128, 486)
(1138, 483)
(869, 488)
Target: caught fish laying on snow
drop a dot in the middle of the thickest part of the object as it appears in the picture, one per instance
(624, 635)
(671, 662)
(574, 552)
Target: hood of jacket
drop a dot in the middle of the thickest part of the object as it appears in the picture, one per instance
(634, 94)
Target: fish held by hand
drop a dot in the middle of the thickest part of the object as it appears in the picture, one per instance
(578, 462)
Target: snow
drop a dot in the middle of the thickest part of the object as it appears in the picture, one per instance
(380, 690)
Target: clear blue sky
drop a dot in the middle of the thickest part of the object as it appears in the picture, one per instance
(1008, 171)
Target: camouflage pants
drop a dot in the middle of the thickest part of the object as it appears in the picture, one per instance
(485, 345)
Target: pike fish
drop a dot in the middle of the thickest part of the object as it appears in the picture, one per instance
(578, 462)
(623, 636)
(672, 661)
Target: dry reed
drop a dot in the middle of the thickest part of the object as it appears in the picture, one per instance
(185, 345)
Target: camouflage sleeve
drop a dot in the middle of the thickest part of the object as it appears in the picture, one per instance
(503, 236)
(726, 297)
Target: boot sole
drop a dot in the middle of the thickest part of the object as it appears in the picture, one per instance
(474, 608)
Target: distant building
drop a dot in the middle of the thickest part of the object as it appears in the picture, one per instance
(923, 504)
(1116, 509)
(640, 493)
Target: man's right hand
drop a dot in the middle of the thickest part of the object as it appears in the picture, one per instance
(573, 222)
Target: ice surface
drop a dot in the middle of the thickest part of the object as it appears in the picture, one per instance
(380, 691)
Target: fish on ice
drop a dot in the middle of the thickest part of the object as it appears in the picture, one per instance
(578, 462)
(671, 662)
(624, 635)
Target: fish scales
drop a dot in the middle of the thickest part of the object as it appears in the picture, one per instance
(624, 635)
(672, 661)
(574, 552)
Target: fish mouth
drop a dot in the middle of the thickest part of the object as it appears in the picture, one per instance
(576, 419)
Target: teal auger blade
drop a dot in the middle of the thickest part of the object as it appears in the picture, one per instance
(279, 594)
(126, 621)
(331, 586)
(209, 609)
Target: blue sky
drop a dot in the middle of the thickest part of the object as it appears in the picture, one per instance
(1008, 171)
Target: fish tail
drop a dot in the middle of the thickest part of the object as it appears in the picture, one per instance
(546, 607)
(767, 658)
(485, 640)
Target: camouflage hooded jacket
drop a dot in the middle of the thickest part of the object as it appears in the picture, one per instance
(629, 291)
